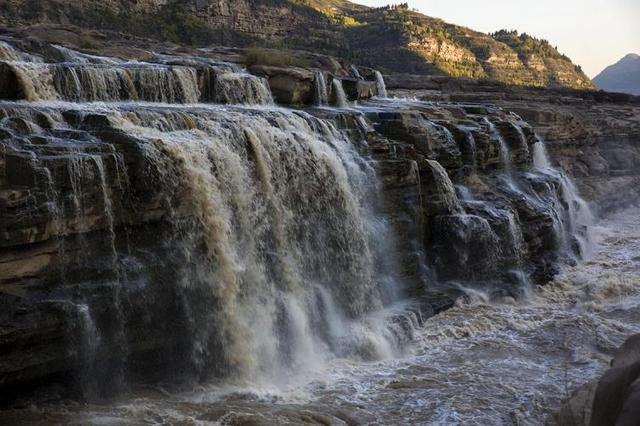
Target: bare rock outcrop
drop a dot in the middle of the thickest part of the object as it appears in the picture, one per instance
(613, 399)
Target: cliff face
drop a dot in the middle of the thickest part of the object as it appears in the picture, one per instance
(593, 136)
(396, 39)
(429, 45)
(179, 234)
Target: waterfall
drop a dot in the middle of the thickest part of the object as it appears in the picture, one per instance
(245, 242)
(382, 88)
(7, 52)
(516, 239)
(577, 216)
(35, 80)
(322, 98)
(290, 245)
(580, 217)
(90, 80)
(340, 95)
(540, 157)
(73, 56)
(242, 88)
(90, 83)
(354, 72)
(505, 152)
(88, 345)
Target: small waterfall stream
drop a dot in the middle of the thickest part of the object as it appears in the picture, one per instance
(340, 95)
(578, 218)
(321, 96)
(382, 88)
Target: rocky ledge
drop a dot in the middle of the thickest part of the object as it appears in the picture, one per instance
(110, 247)
(593, 136)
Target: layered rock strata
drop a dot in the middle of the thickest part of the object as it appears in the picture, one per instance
(165, 218)
(593, 136)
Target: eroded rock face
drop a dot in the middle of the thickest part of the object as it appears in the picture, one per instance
(593, 136)
(133, 233)
(288, 85)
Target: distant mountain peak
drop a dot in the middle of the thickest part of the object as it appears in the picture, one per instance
(623, 76)
(630, 57)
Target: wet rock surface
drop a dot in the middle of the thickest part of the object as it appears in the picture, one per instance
(593, 136)
(154, 233)
(611, 399)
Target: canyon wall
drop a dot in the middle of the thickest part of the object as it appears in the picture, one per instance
(165, 218)
(593, 136)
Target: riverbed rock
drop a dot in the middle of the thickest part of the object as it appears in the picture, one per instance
(613, 399)
(617, 397)
(96, 217)
(289, 85)
(593, 136)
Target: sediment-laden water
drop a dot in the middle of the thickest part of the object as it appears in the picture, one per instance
(252, 264)
(479, 363)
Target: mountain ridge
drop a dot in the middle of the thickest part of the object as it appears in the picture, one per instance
(393, 38)
(623, 76)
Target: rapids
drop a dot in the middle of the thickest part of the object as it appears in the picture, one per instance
(479, 363)
(286, 264)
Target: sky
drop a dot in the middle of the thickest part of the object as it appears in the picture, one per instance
(593, 33)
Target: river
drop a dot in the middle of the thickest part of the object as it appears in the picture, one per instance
(480, 363)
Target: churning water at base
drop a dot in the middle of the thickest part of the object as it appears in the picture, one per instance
(479, 363)
(288, 257)
(286, 283)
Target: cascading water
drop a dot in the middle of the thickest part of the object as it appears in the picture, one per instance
(382, 88)
(540, 157)
(279, 215)
(505, 153)
(242, 88)
(236, 245)
(340, 95)
(354, 72)
(93, 82)
(321, 96)
(88, 78)
(7, 52)
(268, 237)
(577, 215)
(73, 56)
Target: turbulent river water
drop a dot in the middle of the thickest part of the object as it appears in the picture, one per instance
(275, 256)
(479, 363)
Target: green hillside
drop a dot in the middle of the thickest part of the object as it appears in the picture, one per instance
(392, 38)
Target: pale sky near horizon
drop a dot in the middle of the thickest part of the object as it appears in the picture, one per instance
(593, 33)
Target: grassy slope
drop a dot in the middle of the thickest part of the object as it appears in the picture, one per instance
(400, 38)
(394, 39)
